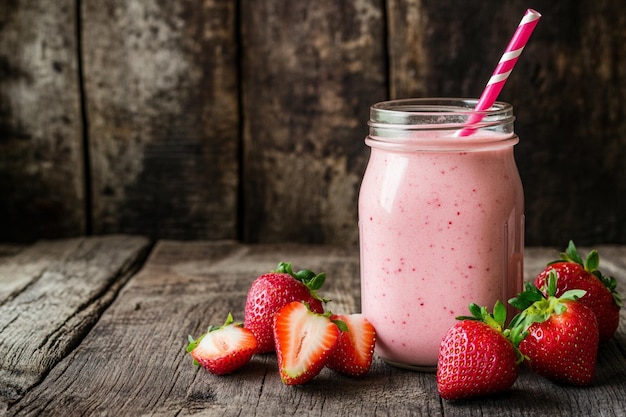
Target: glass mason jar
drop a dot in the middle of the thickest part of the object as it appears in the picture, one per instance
(441, 222)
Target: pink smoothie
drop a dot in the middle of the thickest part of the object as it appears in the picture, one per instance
(438, 231)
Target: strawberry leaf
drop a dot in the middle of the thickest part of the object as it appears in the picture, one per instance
(619, 300)
(309, 278)
(341, 324)
(593, 261)
(541, 309)
(499, 313)
(611, 284)
(572, 294)
(304, 275)
(591, 264)
(516, 333)
(285, 268)
(477, 311)
(480, 313)
(526, 298)
(316, 282)
(192, 343)
(229, 320)
(551, 284)
(571, 254)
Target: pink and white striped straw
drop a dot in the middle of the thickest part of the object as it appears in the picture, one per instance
(503, 69)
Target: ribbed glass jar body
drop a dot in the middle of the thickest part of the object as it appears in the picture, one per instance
(441, 222)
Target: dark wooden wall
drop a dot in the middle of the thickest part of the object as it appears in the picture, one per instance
(224, 119)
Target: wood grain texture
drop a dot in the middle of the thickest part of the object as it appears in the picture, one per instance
(571, 109)
(409, 49)
(220, 119)
(52, 294)
(161, 95)
(133, 360)
(41, 152)
(19, 270)
(310, 72)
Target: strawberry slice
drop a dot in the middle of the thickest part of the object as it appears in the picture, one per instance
(221, 350)
(355, 346)
(304, 342)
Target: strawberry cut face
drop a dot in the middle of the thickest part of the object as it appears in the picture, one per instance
(304, 342)
(223, 350)
(355, 347)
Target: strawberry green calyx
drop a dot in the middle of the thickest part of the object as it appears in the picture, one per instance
(479, 313)
(571, 255)
(536, 307)
(591, 264)
(309, 278)
(192, 345)
(495, 320)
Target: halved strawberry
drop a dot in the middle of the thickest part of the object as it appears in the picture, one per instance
(304, 342)
(222, 350)
(355, 347)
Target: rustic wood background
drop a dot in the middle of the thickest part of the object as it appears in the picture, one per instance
(225, 119)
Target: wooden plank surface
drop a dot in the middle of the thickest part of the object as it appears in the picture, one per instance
(310, 72)
(51, 294)
(133, 361)
(41, 150)
(161, 96)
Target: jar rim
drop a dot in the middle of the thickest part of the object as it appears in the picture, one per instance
(462, 102)
(437, 113)
(406, 123)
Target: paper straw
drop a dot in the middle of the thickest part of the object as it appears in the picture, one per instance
(504, 68)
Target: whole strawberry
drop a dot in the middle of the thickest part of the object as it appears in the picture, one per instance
(601, 294)
(221, 350)
(559, 335)
(271, 291)
(305, 341)
(475, 356)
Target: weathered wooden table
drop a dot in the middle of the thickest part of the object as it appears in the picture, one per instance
(98, 326)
